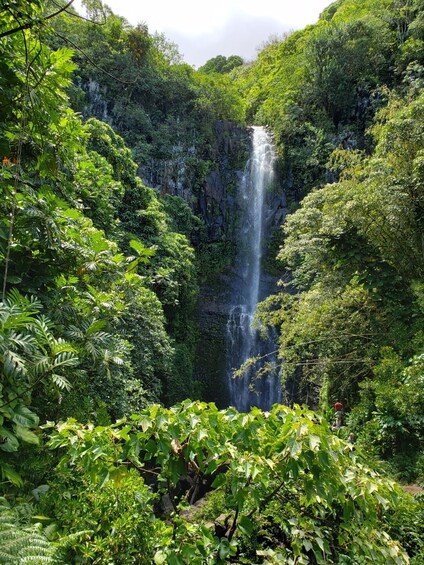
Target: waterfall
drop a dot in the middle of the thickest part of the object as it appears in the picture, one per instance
(243, 342)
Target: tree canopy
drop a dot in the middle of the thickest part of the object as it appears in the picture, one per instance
(103, 458)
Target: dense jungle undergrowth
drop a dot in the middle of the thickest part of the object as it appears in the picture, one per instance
(102, 457)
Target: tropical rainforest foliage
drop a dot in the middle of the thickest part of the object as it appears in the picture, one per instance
(350, 133)
(102, 459)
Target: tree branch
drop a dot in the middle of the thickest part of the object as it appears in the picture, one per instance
(32, 23)
(76, 15)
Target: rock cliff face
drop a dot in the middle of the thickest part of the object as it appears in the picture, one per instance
(206, 177)
(210, 180)
(221, 205)
(218, 203)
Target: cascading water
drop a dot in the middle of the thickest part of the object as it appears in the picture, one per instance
(243, 342)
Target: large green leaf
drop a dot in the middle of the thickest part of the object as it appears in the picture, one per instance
(24, 434)
(24, 416)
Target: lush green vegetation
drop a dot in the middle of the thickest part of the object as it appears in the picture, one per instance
(284, 490)
(354, 249)
(320, 88)
(93, 275)
(99, 283)
(221, 64)
(138, 83)
(345, 99)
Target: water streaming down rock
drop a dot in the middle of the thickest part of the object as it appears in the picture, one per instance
(243, 342)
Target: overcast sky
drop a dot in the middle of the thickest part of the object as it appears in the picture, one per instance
(203, 30)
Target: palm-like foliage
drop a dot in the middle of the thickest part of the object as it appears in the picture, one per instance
(30, 356)
(16, 343)
(23, 544)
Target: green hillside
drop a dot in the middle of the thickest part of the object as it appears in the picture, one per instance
(109, 450)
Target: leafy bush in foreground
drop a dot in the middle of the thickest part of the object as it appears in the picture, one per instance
(293, 491)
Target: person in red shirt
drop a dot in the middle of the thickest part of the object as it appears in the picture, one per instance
(338, 407)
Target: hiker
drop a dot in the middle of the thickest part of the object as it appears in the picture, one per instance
(338, 407)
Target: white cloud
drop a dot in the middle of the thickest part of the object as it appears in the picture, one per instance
(241, 35)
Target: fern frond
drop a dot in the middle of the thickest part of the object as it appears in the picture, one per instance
(13, 317)
(70, 539)
(61, 346)
(41, 365)
(91, 266)
(25, 341)
(65, 359)
(101, 337)
(75, 333)
(61, 382)
(13, 365)
(15, 298)
(92, 350)
(50, 530)
(23, 545)
(117, 361)
(65, 311)
(42, 328)
(96, 326)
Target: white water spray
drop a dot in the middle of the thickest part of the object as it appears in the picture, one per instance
(243, 342)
